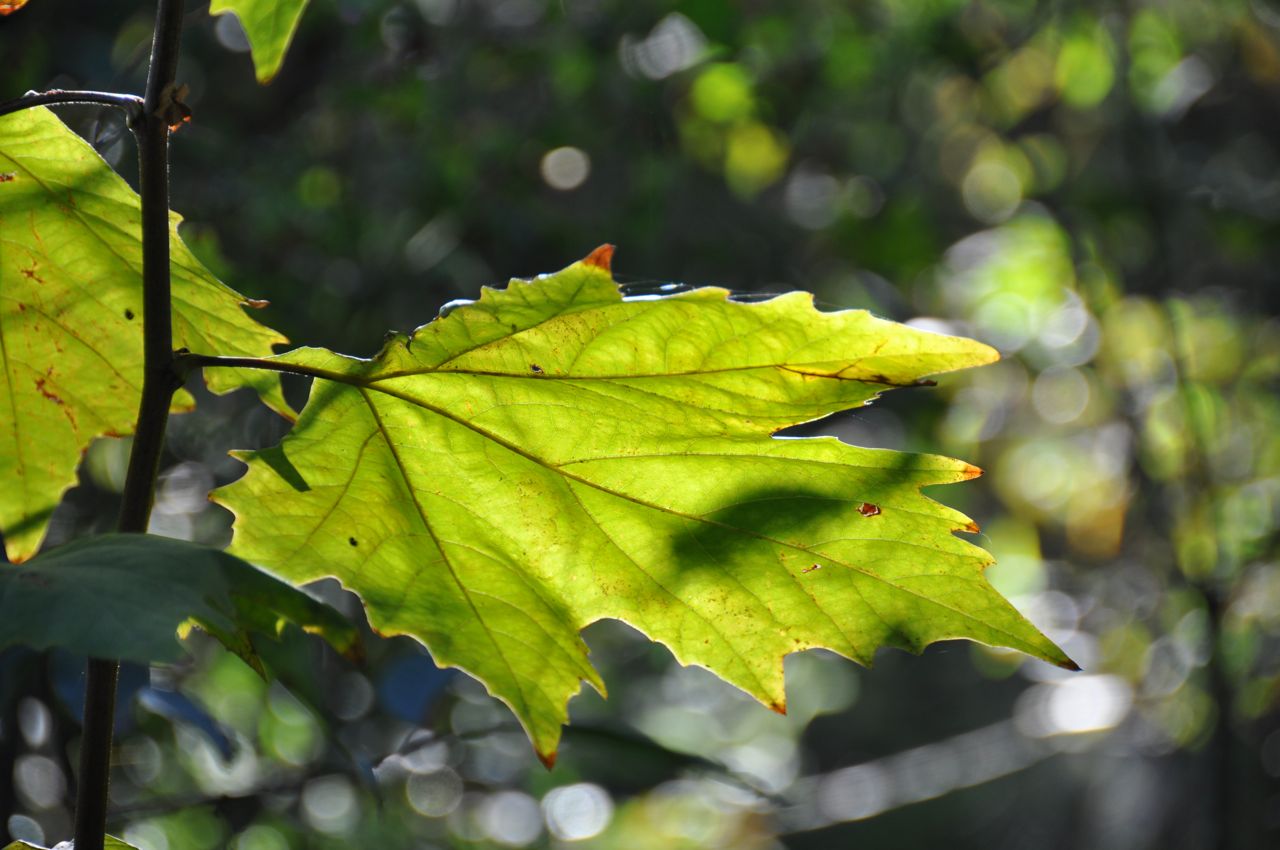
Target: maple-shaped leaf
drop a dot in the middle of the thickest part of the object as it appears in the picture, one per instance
(555, 454)
(71, 316)
(269, 25)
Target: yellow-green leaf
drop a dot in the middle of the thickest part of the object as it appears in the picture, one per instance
(269, 25)
(71, 316)
(555, 454)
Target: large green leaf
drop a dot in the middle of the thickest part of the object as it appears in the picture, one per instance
(555, 454)
(129, 596)
(269, 24)
(71, 316)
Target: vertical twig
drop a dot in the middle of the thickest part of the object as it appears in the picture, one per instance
(158, 385)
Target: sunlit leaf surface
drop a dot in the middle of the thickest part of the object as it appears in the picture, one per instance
(554, 454)
(71, 316)
(128, 596)
(269, 25)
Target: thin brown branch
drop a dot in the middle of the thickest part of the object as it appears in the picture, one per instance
(130, 103)
(160, 381)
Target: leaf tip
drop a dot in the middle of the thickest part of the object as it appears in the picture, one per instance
(972, 527)
(348, 644)
(1068, 664)
(548, 759)
(601, 258)
(780, 706)
(971, 471)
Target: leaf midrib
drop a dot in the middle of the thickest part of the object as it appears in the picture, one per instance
(444, 555)
(794, 368)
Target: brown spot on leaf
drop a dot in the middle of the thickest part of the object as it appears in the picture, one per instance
(67, 411)
(972, 527)
(128, 314)
(971, 471)
(44, 391)
(779, 707)
(7, 176)
(30, 274)
(601, 258)
(353, 541)
(548, 759)
(256, 303)
(811, 569)
(868, 509)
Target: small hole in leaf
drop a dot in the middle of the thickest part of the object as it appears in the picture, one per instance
(868, 509)
(535, 368)
(128, 314)
(353, 541)
(811, 569)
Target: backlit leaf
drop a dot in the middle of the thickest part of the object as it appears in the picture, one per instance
(71, 316)
(554, 454)
(269, 25)
(128, 596)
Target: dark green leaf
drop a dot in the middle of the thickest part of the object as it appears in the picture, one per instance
(130, 596)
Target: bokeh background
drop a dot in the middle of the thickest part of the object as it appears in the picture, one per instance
(1092, 187)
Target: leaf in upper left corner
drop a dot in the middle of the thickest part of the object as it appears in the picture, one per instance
(269, 25)
(71, 317)
(8, 7)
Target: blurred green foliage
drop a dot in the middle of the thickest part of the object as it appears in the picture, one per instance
(1090, 187)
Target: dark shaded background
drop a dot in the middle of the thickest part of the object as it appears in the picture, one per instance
(1092, 187)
